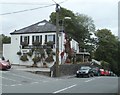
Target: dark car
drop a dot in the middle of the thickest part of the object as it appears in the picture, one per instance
(96, 71)
(4, 65)
(85, 71)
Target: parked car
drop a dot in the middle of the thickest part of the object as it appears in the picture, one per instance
(112, 74)
(102, 72)
(107, 73)
(96, 71)
(85, 71)
(5, 65)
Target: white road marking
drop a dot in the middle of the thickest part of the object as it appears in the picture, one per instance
(9, 79)
(25, 77)
(65, 88)
(34, 82)
(13, 85)
(45, 81)
(20, 84)
(90, 80)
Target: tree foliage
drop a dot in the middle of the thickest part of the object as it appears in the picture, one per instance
(78, 27)
(108, 49)
(5, 39)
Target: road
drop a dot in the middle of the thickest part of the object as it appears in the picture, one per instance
(16, 81)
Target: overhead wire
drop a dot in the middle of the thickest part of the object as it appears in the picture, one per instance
(9, 13)
(54, 1)
(24, 3)
(27, 10)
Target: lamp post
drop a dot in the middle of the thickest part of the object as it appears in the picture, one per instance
(84, 55)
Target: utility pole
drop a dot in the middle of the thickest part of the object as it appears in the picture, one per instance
(57, 42)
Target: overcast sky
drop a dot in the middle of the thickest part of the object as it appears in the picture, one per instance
(103, 12)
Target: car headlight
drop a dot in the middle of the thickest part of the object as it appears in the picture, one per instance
(77, 71)
(86, 72)
(4, 64)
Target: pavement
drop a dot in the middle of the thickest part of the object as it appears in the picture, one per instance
(37, 70)
(32, 69)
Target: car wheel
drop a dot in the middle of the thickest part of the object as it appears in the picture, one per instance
(88, 75)
(98, 74)
(77, 76)
(92, 75)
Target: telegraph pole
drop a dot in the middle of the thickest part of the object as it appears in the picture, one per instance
(57, 42)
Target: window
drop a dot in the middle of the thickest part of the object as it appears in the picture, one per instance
(24, 39)
(49, 38)
(37, 39)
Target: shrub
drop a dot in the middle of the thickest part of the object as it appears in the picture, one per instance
(53, 53)
(50, 43)
(24, 43)
(30, 53)
(36, 59)
(67, 60)
(49, 51)
(49, 59)
(36, 43)
(24, 57)
(19, 53)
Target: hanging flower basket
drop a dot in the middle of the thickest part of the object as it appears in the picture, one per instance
(24, 57)
(19, 53)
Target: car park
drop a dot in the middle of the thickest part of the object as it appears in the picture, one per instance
(5, 65)
(85, 71)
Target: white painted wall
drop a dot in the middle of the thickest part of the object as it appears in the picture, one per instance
(7, 51)
(75, 45)
(10, 50)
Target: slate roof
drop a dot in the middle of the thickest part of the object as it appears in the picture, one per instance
(40, 27)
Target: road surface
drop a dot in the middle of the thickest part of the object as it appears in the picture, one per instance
(17, 81)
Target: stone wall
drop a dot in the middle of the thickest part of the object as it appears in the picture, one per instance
(68, 69)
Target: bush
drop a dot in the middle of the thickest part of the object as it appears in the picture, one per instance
(67, 60)
(24, 57)
(50, 43)
(19, 53)
(36, 43)
(24, 43)
(36, 59)
(53, 53)
(49, 51)
(49, 59)
(30, 53)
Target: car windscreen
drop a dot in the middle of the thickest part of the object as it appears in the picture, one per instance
(84, 68)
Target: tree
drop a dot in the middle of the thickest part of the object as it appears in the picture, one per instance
(107, 48)
(5, 39)
(78, 27)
